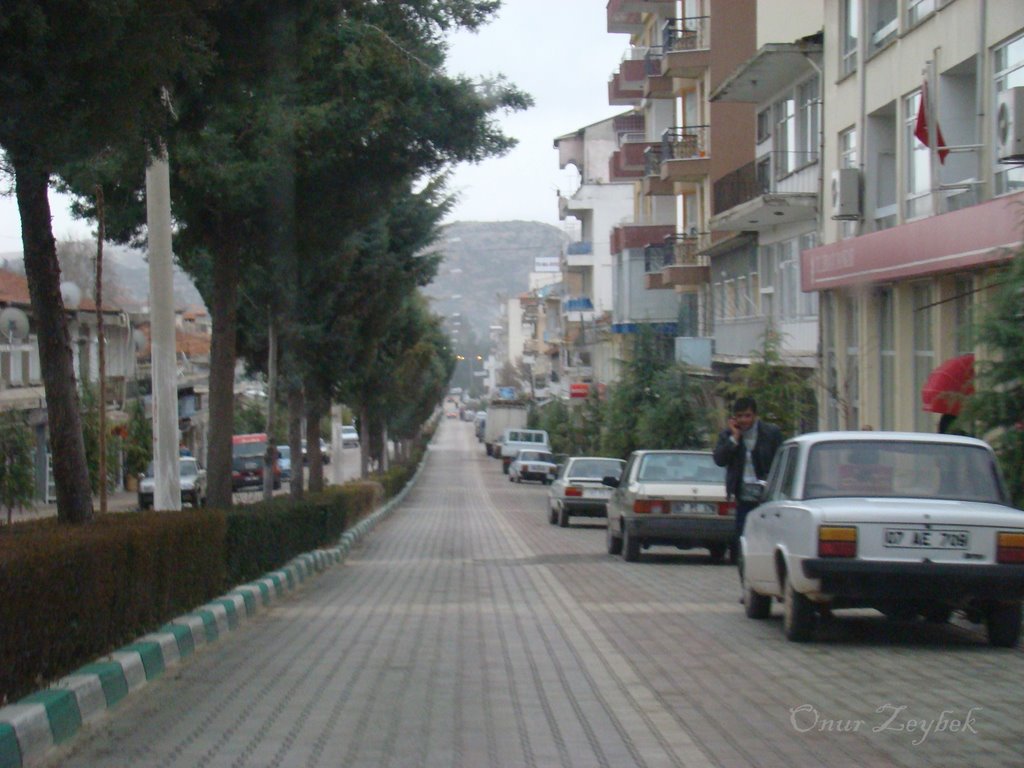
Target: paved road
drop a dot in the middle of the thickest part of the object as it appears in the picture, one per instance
(467, 631)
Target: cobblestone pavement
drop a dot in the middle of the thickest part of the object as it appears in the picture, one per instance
(468, 631)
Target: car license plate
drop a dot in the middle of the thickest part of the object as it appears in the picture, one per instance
(692, 508)
(597, 493)
(919, 538)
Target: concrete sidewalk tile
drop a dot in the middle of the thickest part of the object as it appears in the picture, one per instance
(112, 679)
(88, 691)
(10, 753)
(134, 670)
(168, 643)
(152, 656)
(61, 711)
(31, 728)
(183, 636)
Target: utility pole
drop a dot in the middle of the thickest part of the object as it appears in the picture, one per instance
(270, 458)
(101, 343)
(164, 369)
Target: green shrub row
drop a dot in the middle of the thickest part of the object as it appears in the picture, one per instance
(72, 593)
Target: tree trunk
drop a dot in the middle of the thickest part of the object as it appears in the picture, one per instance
(314, 410)
(296, 411)
(365, 440)
(67, 445)
(223, 313)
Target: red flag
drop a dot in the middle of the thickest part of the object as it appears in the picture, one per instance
(921, 127)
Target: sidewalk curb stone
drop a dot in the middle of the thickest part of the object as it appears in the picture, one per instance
(31, 727)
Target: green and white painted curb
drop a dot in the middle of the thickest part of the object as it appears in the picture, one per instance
(32, 726)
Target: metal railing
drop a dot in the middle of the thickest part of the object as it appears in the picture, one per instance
(676, 250)
(688, 34)
(685, 143)
(774, 172)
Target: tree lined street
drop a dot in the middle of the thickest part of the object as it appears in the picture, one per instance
(468, 631)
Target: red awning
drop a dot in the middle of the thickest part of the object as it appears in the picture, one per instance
(947, 386)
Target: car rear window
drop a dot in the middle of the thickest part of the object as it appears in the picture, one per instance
(681, 467)
(536, 456)
(596, 469)
(902, 469)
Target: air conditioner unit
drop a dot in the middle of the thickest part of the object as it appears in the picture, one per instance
(846, 193)
(1010, 125)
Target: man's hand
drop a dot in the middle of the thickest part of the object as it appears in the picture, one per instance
(737, 433)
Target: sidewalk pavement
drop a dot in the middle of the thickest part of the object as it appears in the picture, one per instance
(117, 501)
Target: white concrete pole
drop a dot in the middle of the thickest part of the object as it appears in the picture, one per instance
(164, 368)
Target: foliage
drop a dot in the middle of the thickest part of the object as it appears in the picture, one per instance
(996, 409)
(635, 391)
(250, 417)
(679, 414)
(138, 445)
(556, 418)
(91, 436)
(17, 469)
(784, 396)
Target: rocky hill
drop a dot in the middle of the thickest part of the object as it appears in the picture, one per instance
(485, 263)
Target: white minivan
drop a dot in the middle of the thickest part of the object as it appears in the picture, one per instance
(515, 439)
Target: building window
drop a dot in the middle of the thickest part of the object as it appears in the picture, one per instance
(1009, 68)
(764, 125)
(808, 299)
(848, 159)
(849, 31)
(797, 121)
(924, 348)
(918, 9)
(883, 23)
(851, 378)
(918, 168)
(963, 313)
(810, 120)
(886, 359)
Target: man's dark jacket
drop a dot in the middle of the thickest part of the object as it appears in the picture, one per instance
(730, 455)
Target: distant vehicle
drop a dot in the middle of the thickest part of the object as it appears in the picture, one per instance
(191, 476)
(908, 523)
(349, 436)
(248, 453)
(480, 425)
(284, 461)
(579, 489)
(325, 452)
(515, 440)
(670, 498)
(532, 465)
(500, 416)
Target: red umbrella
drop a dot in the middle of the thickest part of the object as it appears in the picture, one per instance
(946, 387)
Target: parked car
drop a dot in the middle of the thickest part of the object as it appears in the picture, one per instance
(670, 498)
(910, 524)
(579, 490)
(191, 476)
(247, 472)
(325, 452)
(513, 440)
(480, 425)
(284, 461)
(532, 465)
(349, 436)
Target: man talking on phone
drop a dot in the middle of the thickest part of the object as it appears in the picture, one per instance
(746, 449)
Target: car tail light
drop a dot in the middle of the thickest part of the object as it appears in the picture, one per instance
(837, 541)
(650, 506)
(1009, 547)
(573, 490)
(726, 507)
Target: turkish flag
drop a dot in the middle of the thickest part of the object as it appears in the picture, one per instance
(921, 127)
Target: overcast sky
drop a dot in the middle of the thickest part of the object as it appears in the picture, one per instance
(558, 51)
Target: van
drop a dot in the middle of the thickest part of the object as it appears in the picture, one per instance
(515, 439)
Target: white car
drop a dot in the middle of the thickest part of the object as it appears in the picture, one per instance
(349, 436)
(670, 498)
(532, 465)
(579, 490)
(191, 476)
(911, 524)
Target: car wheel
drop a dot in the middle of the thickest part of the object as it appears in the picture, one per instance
(717, 552)
(1004, 622)
(756, 605)
(630, 546)
(613, 542)
(552, 515)
(511, 479)
(563, 518)
(798, 619)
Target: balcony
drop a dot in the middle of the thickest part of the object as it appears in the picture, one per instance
(689, 268)
(626, 87)
(630, 236)
(777, 188)
(684, 154)
(628, 161)
(656, 257)
(686, 47)
(626, 16)
(652, 183)
(656, 84)
(578, 309)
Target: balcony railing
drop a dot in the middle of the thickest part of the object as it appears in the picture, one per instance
(657, 256)
(689, 34)
(579, 248)
(686, 143)
(774, 173)
(676, 251)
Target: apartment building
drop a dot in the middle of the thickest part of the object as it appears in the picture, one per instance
(924, 157)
